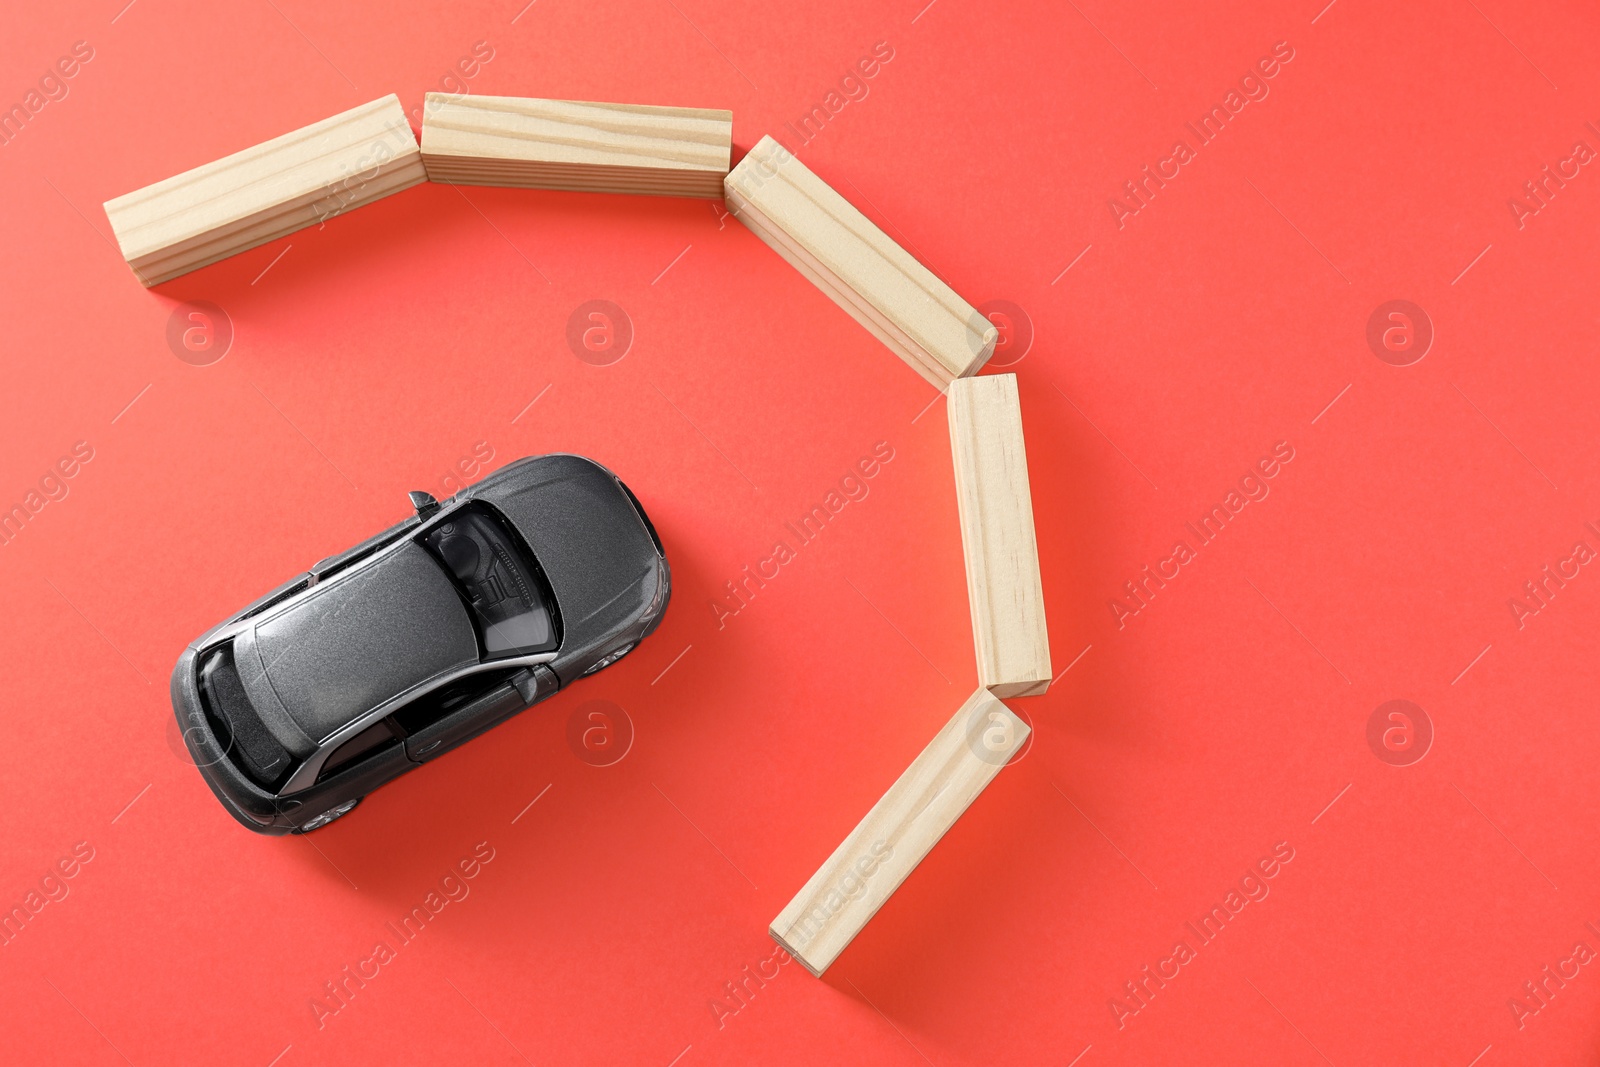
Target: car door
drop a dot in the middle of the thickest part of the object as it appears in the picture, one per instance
(367, 760)
(437, 723)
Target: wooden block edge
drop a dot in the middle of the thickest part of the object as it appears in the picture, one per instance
(710, 114)
(772, 931)
(1019, 688)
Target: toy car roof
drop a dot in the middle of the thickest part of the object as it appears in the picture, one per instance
(347, 645)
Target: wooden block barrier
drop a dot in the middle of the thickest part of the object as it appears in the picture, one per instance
(902, 827)
(528, 143)
(301, 179)
(900, 301)
(997, 537)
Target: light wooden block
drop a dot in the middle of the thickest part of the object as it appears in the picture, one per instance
(301, 179)
(997, 536)
(572, 144)
(902, 303)
(899, 831)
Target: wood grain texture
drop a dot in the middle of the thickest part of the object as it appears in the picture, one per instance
(997, 536)
(529, 143)
(899, 831)
(301, 179)
(902, 303)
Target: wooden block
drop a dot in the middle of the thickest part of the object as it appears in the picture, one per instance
(903, 303)
(570, 144)
(249, 198)
(899, 831)
(997, 536)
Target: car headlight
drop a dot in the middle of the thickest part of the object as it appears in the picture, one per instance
(608, 660)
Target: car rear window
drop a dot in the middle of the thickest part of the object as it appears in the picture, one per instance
(238, 726)
(500, 581)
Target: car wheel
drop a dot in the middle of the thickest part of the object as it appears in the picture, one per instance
(326, 817)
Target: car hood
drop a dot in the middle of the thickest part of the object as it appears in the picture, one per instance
(586, 534)
(353, 642)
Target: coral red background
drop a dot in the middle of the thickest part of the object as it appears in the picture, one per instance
(1229, 714)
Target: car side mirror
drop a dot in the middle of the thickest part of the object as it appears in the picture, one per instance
(423, 503)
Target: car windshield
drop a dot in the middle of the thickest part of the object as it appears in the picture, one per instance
(500, 581)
